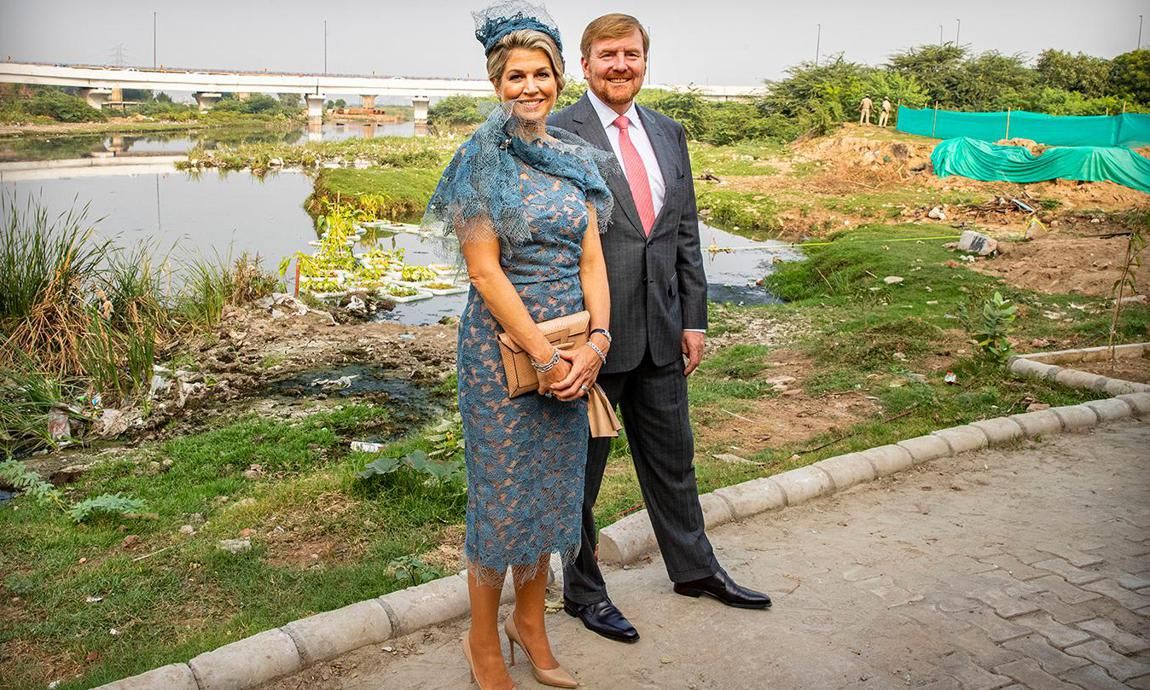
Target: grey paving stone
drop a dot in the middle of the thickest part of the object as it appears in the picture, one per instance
(1118, 638)
(1117, 665)
(890, 593)
(847, 470)
(327, 635)
(1027, 672)
(1110, 588)
(1000, 430)
(998, 628)
(1075, 557)
(434, 602)
(1036, 424)
(1051, 659)
(1056, 633)
(1004, 604)
(1142, 683)
(1094, 677)
(1064, 613)
(963, 439)
(859, 572)
(1139, 401)
(1111, 409)
(803, 484)
(1015, 567)
(1065, 591)
(753, 497)
(1028, 555)
(982, 650)
(925, 448)
(248, 662)
(1076, 417)
(170, 677)
(1073, 575)
(933, 619)
(969, 674)
(1134, 581)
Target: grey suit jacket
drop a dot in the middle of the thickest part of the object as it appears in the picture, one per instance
(658, 287)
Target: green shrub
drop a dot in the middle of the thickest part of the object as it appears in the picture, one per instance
(63, 107)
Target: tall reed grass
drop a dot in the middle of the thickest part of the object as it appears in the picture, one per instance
(80, 317)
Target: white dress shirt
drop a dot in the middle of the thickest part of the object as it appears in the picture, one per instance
(639, 139)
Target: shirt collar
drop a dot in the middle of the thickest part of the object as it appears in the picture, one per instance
(607, 115)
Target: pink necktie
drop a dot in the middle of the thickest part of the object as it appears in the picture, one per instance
(636, 176)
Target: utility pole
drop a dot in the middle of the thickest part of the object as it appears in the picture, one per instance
(957, 31)
(940, 35)
(325, 47)
(818, 42)
(1139, 32)
(154, 39)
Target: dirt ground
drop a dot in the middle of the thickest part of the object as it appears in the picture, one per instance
(1076, 246)
(1127, 369)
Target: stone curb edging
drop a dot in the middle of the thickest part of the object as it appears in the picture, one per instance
(1046, 366)
(275, 653)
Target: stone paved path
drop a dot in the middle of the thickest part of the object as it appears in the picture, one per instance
(1006, 568)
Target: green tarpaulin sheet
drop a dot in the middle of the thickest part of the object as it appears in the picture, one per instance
(1130, 129)
(980, 160)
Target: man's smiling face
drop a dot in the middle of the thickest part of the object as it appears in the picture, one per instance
(614, 69)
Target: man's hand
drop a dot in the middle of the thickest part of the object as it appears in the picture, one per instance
(693, 344)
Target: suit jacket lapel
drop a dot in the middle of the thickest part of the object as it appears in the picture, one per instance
(589, 127)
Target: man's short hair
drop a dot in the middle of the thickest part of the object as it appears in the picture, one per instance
(610, 26)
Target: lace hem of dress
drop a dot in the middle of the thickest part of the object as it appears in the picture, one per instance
(523, 571)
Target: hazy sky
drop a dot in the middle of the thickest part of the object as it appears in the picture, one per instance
(705, 42)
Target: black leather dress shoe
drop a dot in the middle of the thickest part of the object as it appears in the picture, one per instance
(603, 618)
(722, 587)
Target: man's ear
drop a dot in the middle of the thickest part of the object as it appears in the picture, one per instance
(586, 67)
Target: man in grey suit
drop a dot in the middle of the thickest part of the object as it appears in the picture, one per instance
(659, 317)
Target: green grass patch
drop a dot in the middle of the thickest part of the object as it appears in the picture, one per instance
(748, 214)
(391, 193)
(188, 595)
(739, 159)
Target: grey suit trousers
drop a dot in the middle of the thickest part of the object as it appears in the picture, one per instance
(653, 402)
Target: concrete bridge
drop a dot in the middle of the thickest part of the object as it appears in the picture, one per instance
(100, 84)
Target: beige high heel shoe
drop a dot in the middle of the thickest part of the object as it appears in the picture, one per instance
(556, 677)
(471, 663)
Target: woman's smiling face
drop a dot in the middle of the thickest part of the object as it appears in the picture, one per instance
(529, 80)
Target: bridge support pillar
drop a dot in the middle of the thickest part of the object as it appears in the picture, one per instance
(367, 101)
(243, 95)
(205, 100)
(315, 107)
(95, 97)
(419, 108)
(117, 94)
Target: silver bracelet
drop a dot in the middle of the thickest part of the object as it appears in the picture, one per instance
(548, 365)
(593, 346)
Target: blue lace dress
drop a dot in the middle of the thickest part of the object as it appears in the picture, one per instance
(525, 455)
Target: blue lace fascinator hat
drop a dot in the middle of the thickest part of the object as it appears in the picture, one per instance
(478, 195)
(495, 22)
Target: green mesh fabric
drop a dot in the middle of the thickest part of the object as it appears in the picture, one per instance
(981, 160)
(1130, 129)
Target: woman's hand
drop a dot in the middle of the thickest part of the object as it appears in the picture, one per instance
(584, 366)
(548, 379)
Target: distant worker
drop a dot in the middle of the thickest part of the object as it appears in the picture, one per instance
(884, 117)
(864, 110)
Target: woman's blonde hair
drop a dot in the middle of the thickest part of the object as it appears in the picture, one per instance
(531, 40)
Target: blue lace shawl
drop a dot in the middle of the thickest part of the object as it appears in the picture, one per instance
(478, 193)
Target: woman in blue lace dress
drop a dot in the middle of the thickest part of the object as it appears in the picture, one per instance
(525, 202)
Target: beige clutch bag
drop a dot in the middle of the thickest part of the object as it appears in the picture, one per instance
(601, 414)
(565, 333)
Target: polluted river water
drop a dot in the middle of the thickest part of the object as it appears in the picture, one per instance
(144, 200)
